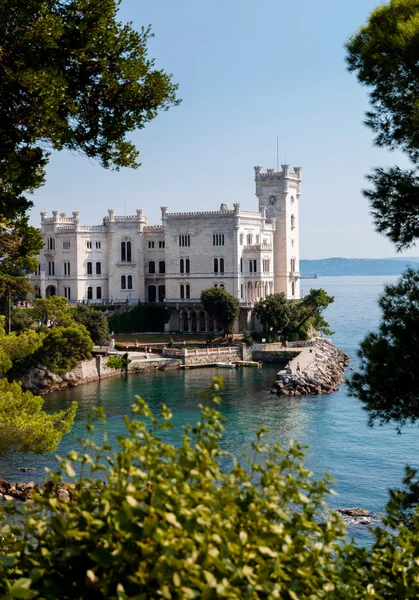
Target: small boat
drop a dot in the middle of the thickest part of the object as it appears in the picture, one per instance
(225, 365)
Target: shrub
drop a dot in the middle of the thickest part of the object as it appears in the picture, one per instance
(171, 523)
(114, 362)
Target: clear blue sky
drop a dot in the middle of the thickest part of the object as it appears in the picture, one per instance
(247, 71)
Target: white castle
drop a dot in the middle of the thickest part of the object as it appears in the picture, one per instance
(250, 254)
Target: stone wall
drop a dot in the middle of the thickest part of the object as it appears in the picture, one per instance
(201, 357)
(41, 380)
(281, 357)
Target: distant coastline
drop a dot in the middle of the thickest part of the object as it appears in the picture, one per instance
(328, 267)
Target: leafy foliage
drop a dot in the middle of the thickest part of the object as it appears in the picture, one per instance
(394, 205)
(387, 381)
(114, 362)
(171, 523)
(224, 307)
(190, 521)
(273, 313)
(95, 322)
(383, 54)
(14, 347)
(53, 311)
(19, 245)
(294, 319)
(64, 347)
(24, 426)
(77, 79)
(143, 317)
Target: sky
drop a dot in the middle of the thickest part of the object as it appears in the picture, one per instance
(247, 72)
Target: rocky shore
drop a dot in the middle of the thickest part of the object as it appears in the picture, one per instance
(23, 491)
(40, 380)
(321, 371)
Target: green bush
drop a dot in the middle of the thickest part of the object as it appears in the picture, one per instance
(114, 362)
(143, 317)
(155, 520)
(171, 523)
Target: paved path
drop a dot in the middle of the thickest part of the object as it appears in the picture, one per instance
(305, 358)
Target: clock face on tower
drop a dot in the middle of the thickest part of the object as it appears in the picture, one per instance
(272, 200)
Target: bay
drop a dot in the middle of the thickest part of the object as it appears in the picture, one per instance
(364, 461)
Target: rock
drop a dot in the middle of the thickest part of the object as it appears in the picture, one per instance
(355, 512)
(7, 497)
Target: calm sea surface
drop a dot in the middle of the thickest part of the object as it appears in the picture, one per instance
(364, 461)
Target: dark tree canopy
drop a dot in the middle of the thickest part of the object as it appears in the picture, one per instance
(71, 77)
(221, 305)
(384, 55)
(273, 312)
(95, 322)
(387, 381)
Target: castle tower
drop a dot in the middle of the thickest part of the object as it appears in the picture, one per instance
(278, 193)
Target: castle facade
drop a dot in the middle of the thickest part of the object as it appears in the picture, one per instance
(250, 254)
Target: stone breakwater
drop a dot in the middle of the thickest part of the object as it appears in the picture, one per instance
(321, 371)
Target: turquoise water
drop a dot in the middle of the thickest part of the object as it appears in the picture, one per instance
(364, 461)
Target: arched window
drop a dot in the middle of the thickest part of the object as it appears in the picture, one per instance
(215, 265)
(99, 293)
(202, 319)
(98, 268)
(221, 265)
(151, 293)
(188, 291)
(128, 251)
(188, 265)
(123, 252)
(292, 221)
(151, 267)
(162, 293)
(194, 324)
(185, 324)
(249, 239)
(123, 282)
(182, 291)
(292, 288)
(130, 282)
(241, 239)
(182, 266)
(162, 266)
(89, 268)
(241, 290)
(222, 286)
(215, 284)
(250, 291)
(89, 293)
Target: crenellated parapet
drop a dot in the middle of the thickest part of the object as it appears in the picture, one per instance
(273, 174)
(207, 213)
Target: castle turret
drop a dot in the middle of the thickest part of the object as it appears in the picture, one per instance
(278, 193)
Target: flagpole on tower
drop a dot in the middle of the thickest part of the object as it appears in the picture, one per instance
(277, 153)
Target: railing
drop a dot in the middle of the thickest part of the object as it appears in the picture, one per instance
(280, 346)
(258, 248)
(171, 352)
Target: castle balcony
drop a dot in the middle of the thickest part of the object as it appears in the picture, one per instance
(258, 248)
(50, 252)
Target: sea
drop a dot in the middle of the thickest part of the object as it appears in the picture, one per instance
(364, 461)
